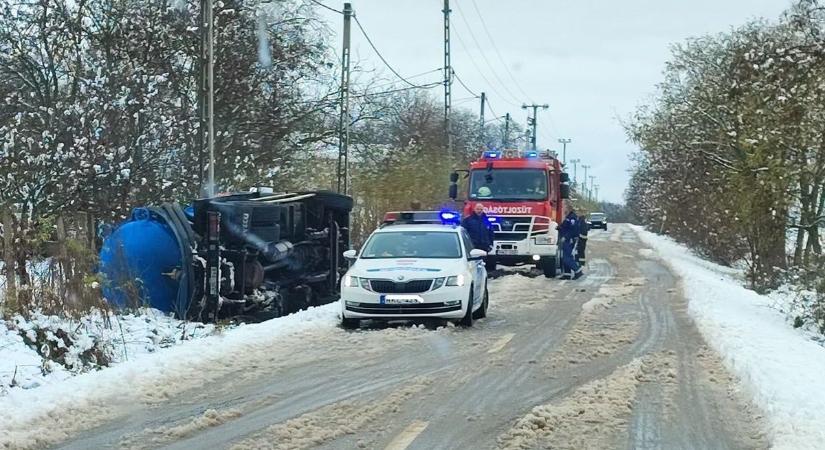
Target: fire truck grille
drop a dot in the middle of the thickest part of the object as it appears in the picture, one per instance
(510, 236)
(406, 287)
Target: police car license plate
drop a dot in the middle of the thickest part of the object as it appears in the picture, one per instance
(400, 299)
(506, 251)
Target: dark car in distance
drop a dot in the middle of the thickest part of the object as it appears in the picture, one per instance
(598, 220)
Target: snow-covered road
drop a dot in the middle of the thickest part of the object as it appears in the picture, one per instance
(609, 361)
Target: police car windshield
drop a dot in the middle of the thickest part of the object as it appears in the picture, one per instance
(508, 184)
(412, 244)
(597, 216)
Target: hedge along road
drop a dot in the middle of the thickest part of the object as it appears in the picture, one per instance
(608, 361)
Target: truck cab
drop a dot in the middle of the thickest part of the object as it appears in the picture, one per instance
(522, 193)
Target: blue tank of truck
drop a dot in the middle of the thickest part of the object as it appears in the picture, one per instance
(142, 264)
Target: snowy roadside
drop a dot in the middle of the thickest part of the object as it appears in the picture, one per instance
(145, 372)
(90, 343)
(780, 367)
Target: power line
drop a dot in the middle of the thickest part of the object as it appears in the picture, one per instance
(360, 27)
(498, 53)
(410, 77)
(481, 52)
(392, 91)
(481, 73)
(490, 107)
(461, 82)
(325, 6)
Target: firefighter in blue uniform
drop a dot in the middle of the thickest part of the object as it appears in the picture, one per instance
(478, 227)
(581, 244)
(569, 231)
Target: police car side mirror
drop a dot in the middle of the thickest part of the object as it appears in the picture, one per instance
(476, 254)
(351, 254)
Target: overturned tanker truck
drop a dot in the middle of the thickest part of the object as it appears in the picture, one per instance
(250, 255)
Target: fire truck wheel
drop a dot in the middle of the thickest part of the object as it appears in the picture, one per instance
(490, 263)
(548, 265)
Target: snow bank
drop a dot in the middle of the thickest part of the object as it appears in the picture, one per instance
(117, 338)
(153, 375)
(782, 369)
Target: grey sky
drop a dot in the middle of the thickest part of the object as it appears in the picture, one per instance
(591, 61)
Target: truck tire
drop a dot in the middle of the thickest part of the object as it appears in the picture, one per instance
(467, 321)
(548, 266)
(490, 263)
(330, 199)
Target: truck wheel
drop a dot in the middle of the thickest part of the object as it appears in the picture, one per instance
(490, 263)
(467, 321)
(350, 324)
(549, 267)
(482, 312)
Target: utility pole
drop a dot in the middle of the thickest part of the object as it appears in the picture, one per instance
(206, 97)
(596, 199)
(564, 143)
(527, 136)
(533, 121)
(481, 131)
(506, 131)
(343, 118)
(585, 167)
(575, 163)
(448, 79)
(591, 187)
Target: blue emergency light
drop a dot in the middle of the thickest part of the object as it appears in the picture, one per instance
(450, 217)
(531, 155)
(492, 155)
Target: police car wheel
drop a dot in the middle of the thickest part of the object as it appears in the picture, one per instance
(467, 320)
(350, 324)
(482, 311)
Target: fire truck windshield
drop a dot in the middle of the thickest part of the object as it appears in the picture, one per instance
(508, 184)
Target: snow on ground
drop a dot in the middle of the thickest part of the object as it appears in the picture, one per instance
(781, 368)
(118, 338)
(798, 303)
(141, 373)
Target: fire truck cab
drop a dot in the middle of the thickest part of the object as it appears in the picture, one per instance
(522, 193)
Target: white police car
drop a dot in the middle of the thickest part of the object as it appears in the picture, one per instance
(417, 265)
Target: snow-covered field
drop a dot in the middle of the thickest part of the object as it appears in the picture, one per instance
(781, 368)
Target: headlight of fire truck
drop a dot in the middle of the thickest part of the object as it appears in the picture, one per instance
(545, 239)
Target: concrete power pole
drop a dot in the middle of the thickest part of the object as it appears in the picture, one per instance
(585, 167)
(592, 178)
(533, 121)
(575, 163)
(564, 143)
(448, 79)
(206, 97)
(596, 196)
(506, 141)
(343, 118)
(481, 118)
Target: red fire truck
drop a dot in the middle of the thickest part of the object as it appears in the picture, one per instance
(523, 194)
